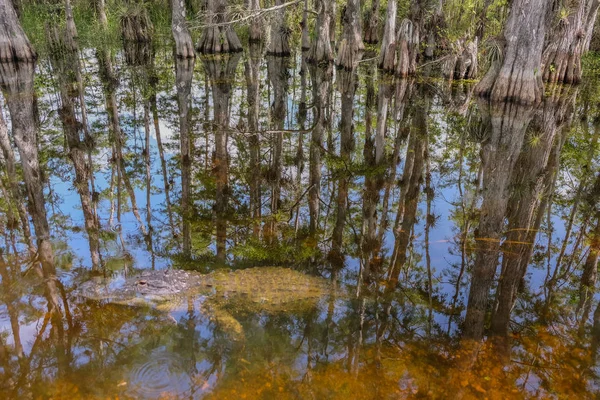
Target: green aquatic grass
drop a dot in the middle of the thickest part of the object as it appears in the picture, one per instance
(35, 18)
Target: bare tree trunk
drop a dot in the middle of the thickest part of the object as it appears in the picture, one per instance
(351, 45)
(568, 41)
(320, 51)
(499, 154)
(184, 69)
(184, 47)
(279, 44)
(387, 55)
(14, 44)
(407, 46)
(101, 9)
(256, 26)
(518, 76)
(17, 83)
(136, 25)
(304, 24)
(372, 23)
(218, 38)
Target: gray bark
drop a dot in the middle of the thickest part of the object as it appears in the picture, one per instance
(387, 55)
(518, 76)
(218, 38)
(14, 44)
(184, 47)
(351, 44)
(320, 51)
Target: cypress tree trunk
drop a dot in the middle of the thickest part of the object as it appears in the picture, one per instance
(387, 55)
(407, 45)
(320, 51)
(568, 41)
(218, 36)
(518, 76)
(255, 33)
(372, 23)
(279, 45)
(14, 45)
(184, 47)
(351, 44)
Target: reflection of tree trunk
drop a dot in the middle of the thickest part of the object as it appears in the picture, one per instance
(351, 44)
(17, 82)
(252, 71)
(516, 77)
(14, 45)
(499, 155)
(218, 39)
(531, 182)
(13, 184)
(184, 70)
(347, 87)
(321, 79)
(77, 148)
(161, 154)
(110, 85)
(183, 40)
(412, 177)
(277, 68)
(221, 72)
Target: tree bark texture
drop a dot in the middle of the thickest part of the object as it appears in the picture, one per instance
(184, 47)
(14, 44)
(279, 44)
(568, 41)
(320, 51)
(372, 23)
(407, 45)
(136, 25)
(218, 38)
(387, 55)
(255, 34)
(518, 76)
(351, 44)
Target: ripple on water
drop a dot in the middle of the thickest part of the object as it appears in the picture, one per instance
(162, 373)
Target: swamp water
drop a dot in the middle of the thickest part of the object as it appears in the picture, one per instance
(394, 191)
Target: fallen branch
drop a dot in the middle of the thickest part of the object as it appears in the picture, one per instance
(251, 15)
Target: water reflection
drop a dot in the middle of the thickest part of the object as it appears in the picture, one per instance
(422, 206)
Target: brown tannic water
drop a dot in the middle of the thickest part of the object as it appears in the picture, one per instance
(436, 219)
